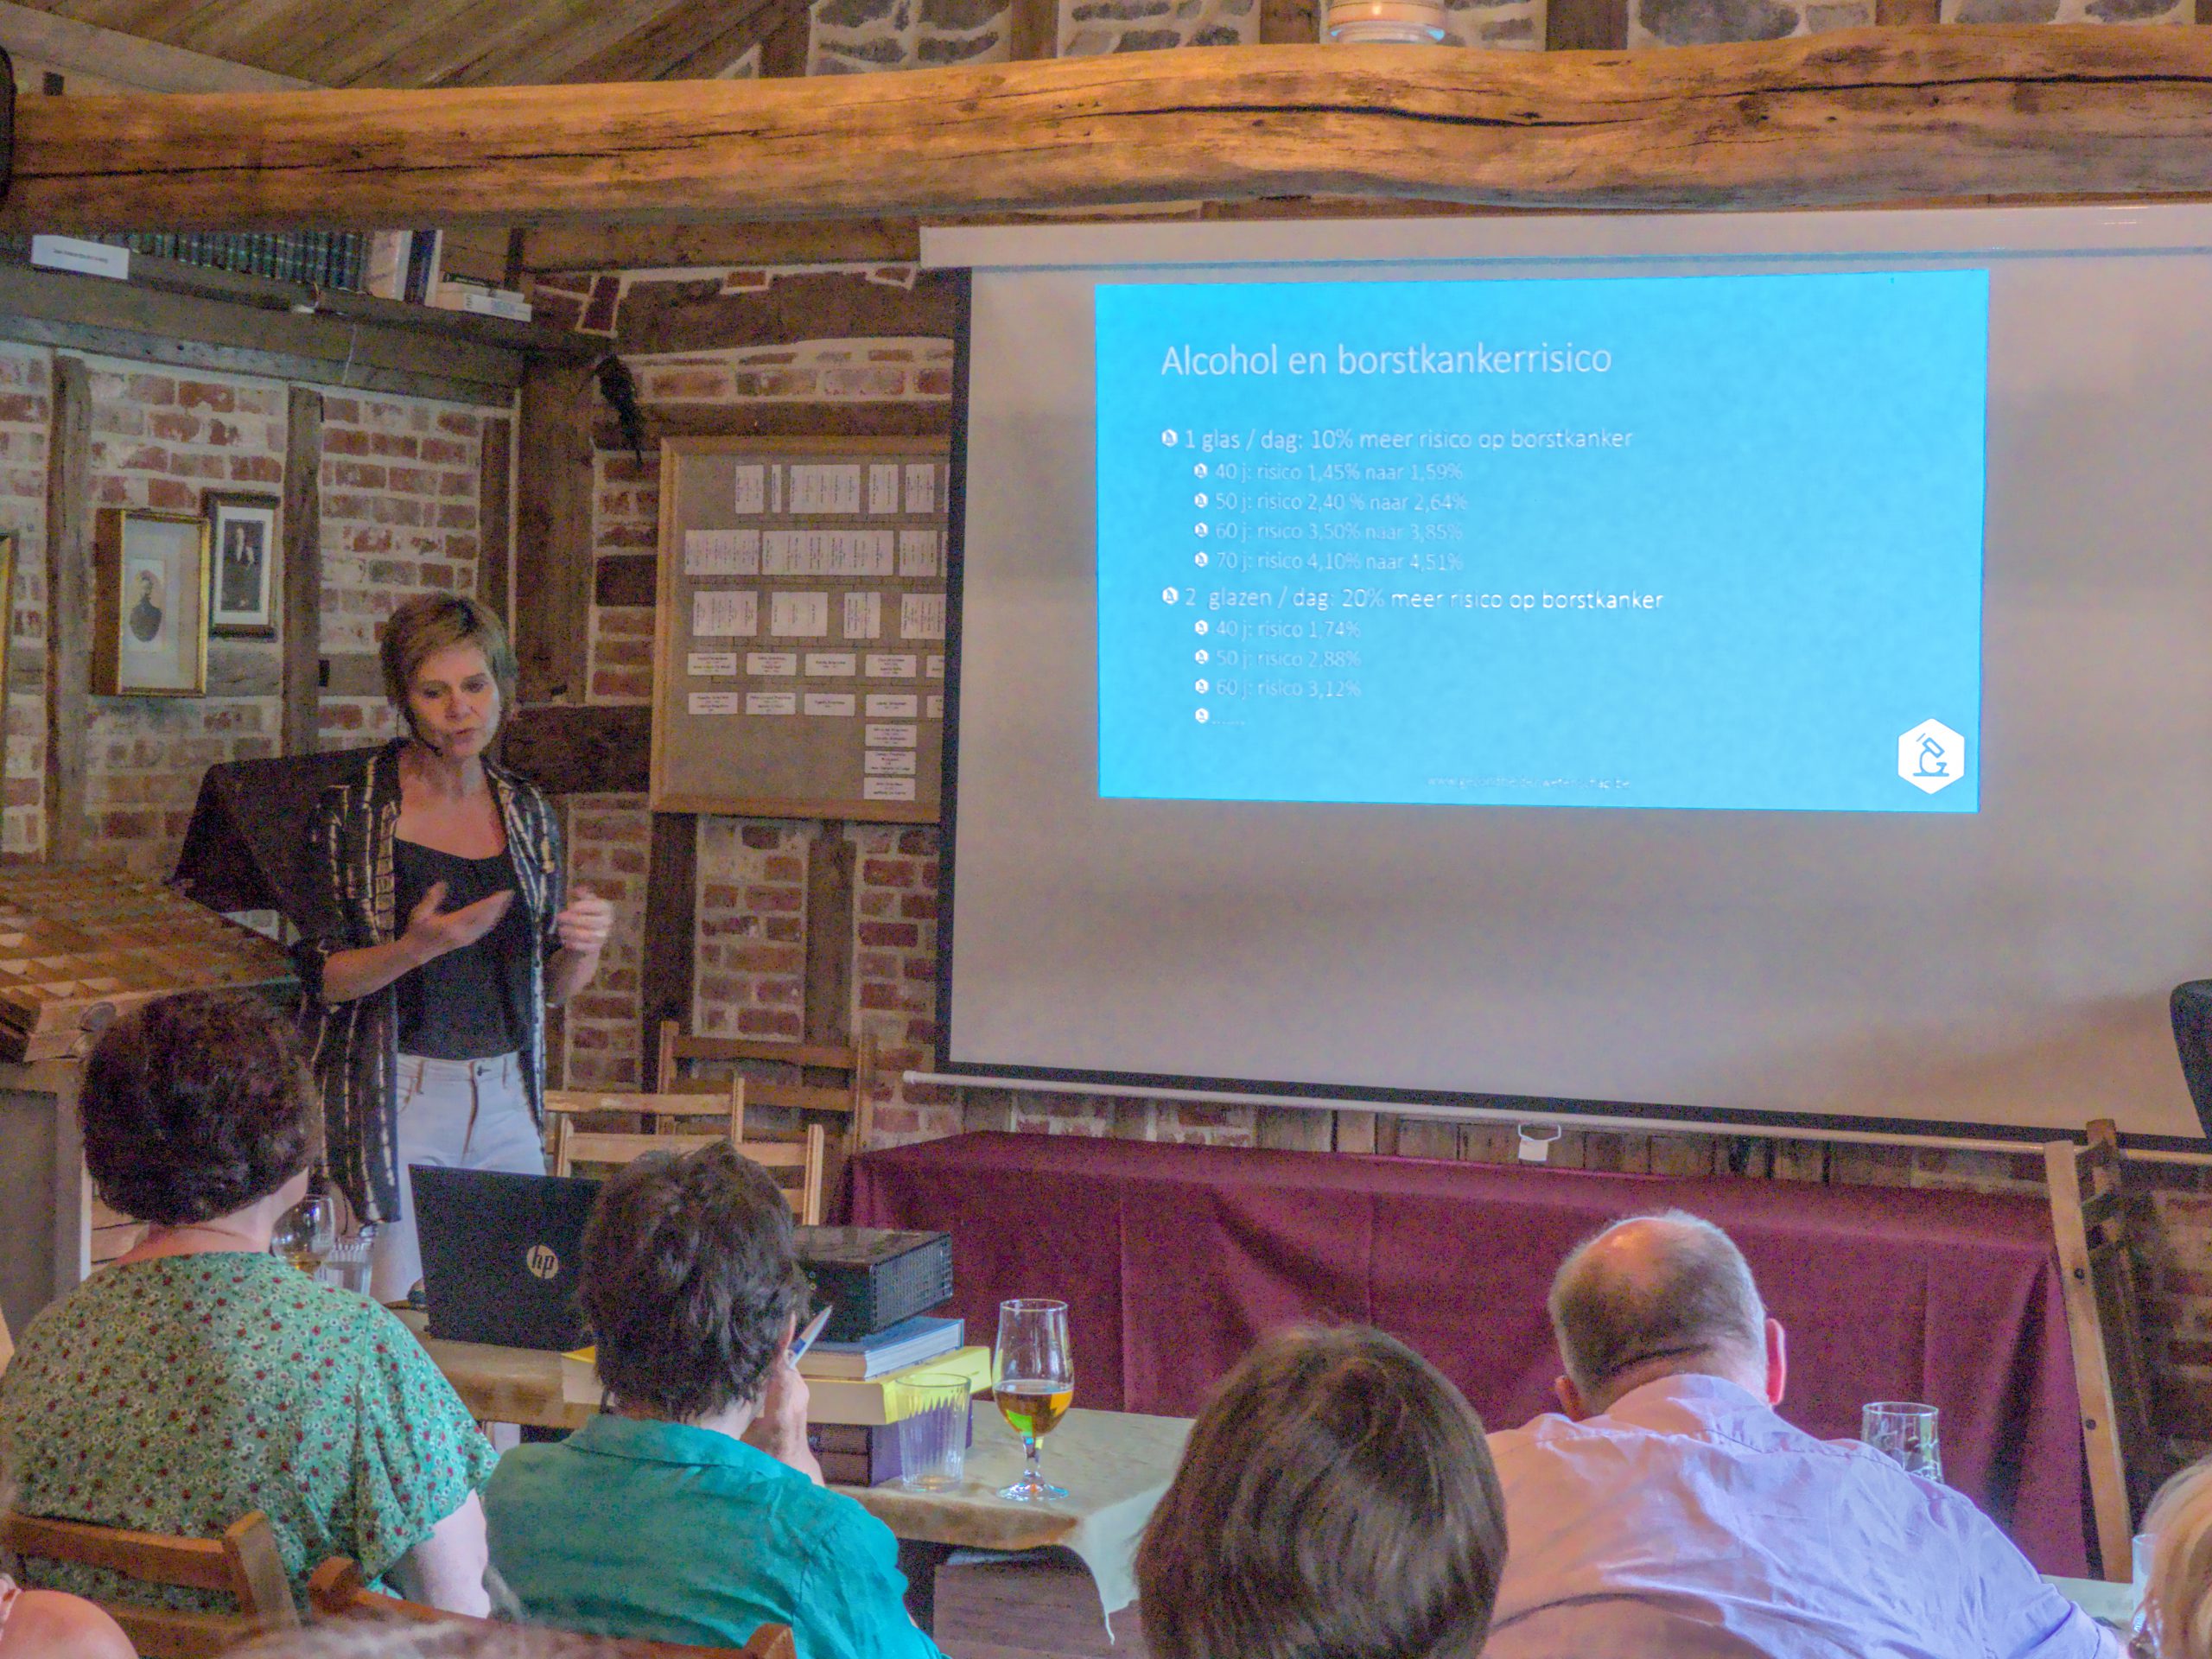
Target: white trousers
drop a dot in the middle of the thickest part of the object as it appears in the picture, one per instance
(456, 1115)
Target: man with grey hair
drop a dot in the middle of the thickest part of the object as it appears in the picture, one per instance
(1671, 1514)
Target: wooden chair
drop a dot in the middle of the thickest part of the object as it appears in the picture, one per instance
(7, 1342)
(2091, 1215)
(242, 1563)
(813, 1088)
(802, 1156)
(335, 1592)
(580, 1134)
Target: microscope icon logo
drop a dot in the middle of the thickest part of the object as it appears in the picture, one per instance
(1931, 756)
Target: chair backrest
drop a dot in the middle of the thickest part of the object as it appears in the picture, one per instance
(815, 1090)
(7, 1342)
(802, 1155)
(335, 1590)
(2092, 1218)
(242, 1563)
(657, 1116)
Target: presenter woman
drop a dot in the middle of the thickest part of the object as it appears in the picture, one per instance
(445, 936)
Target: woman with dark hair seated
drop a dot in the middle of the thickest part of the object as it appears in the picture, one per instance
(199, 1377)
(1335, 1501)
(690, 1510)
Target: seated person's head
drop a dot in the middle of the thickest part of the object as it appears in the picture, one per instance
(1658, 1296)
(2179, 1600)
(195, 1107)
(689, 1283)
(1337, 1499)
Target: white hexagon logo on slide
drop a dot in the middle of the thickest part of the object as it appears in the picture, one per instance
(1931, 756)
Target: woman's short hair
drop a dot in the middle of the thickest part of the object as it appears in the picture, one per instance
(2178, 1602)
(194, 1106)
(430, 623)
(1337, 1499)
(687, 1281)
(391, 1639)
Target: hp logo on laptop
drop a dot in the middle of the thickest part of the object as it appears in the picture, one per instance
(543, 1261)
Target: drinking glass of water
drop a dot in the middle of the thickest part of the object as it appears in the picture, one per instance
(933, 1434)
(1904, 1430)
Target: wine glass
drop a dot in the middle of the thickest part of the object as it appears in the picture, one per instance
(1032, 1375)
(306, 1234)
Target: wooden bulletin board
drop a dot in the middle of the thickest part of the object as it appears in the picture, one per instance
(798, 655)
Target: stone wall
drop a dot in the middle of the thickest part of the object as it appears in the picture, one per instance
(847, 37)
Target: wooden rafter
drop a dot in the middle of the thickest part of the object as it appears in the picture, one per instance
(696, 39)
(1861, 116)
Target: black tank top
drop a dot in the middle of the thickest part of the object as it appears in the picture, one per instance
(464, 1005)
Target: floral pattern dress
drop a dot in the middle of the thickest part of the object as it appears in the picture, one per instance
(176, 1395)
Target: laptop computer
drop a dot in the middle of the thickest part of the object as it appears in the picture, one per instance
(500, 1254)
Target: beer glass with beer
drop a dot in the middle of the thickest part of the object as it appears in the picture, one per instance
(306, 1234)
(1033, 1374)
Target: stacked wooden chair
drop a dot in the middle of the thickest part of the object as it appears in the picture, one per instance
(583, 1135)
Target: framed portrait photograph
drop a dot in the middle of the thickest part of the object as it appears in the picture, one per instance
(242, 583)
(150, 604)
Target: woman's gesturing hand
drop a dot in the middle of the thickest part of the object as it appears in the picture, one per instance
(585, 922)
(431, 932)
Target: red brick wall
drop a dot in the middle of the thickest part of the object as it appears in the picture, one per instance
(399, 518)
(158, 441)
(610, 840)
(26, 411)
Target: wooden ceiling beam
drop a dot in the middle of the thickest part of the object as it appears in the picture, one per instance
(1855, 117)
(56, 42)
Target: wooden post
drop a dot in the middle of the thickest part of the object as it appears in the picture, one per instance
(68, 606)
(302, 682)
(830, 861)
(553, 554)
(672, 937)
(494, 516)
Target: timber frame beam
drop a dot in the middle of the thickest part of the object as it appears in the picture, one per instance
(1831, 120)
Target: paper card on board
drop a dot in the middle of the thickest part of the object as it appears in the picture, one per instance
(830, 702)
(721, 552)
(918, 553)
(921, 616)
(772, 702)
(798, 616)
(887, 789)
(883, 486)
(751, 488)
(723, 613)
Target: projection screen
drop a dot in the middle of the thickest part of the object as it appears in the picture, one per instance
(1722, 669)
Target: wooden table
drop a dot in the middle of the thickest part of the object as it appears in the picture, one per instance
(1115, 1465)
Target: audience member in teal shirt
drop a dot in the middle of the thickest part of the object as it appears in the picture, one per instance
(691, 1511)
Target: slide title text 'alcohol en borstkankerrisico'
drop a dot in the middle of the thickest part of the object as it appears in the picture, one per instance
(1543, 357)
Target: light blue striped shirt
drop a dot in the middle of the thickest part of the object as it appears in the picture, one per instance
(1690, 1521)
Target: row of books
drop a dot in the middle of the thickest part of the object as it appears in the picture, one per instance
(410, 265)
(860, 1402)
(330, 259)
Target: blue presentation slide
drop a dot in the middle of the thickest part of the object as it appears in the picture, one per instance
(1708, 542)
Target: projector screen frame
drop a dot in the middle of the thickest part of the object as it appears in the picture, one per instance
(947, 251)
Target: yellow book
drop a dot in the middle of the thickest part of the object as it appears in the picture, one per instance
(829, 1399)
(879, 1399)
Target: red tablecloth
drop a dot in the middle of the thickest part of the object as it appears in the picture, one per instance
(1173, 1259)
